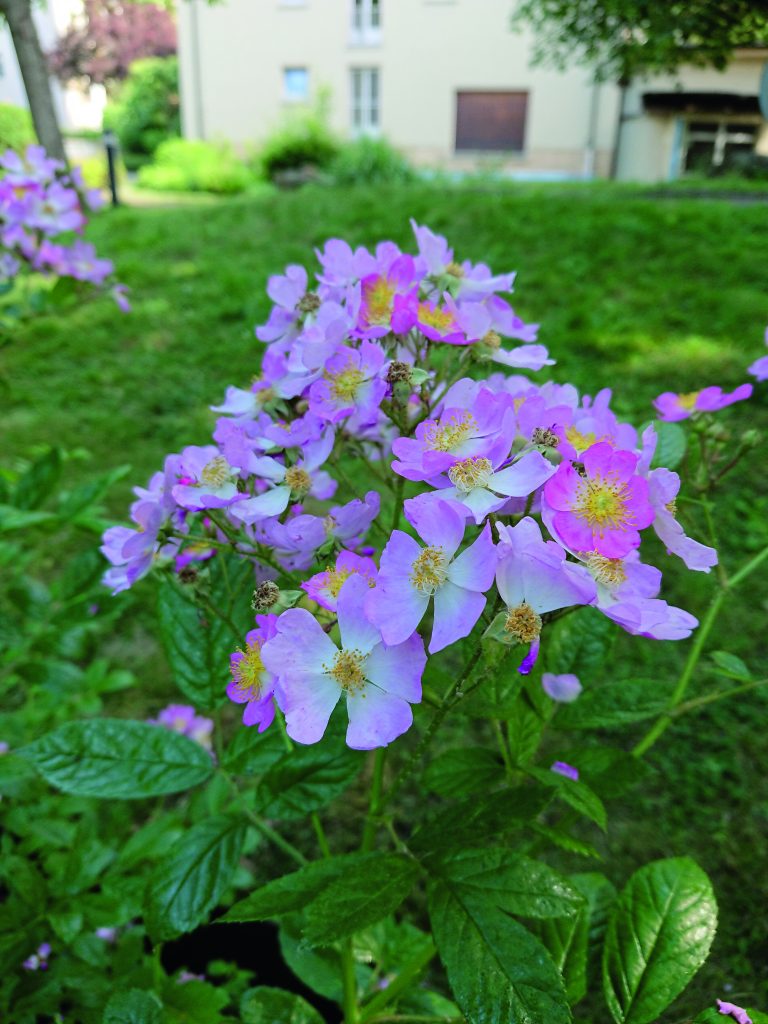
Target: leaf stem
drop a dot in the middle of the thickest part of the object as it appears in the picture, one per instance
(261, 826)
(397, 986)
(349, 982)
(374, 805)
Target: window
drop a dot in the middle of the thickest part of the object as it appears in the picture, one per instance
(491, 120)
(295, 85)
(365, 101)
(366, 23)
(717, 143)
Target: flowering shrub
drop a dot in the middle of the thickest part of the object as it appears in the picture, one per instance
(380, 538)
(41, 206)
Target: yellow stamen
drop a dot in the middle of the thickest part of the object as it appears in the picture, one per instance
(347, 670)
(298, 479)
(671, 507)
(216, 472)
(523, 623)
(602, 503)
(336, 578)
(451, 434)
(579, 441)
(430, 570)
(440, 319)
(688, 400)
(609, 571)
(470, 473)
(378, 296)
(248, 673)
(491, 339)
(455, 269)
(345, 383)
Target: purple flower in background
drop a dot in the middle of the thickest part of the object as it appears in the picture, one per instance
(567, 770)
(324, 587)
(379, 682)
(533, 577)
(4, 748)
(108, 935)
(759, 369)
(600, 507)
(252, 684)
(731, 1010)
(564, 688)
(38, 961)
(410, 575)
(183, 719)
(672, 407)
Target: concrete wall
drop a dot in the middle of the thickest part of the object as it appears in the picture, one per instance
(232, 56)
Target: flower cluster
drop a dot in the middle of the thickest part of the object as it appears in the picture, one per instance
(402, 500)
(41, 207)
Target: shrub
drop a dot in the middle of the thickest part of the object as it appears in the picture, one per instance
(370, 162)
(186, 165)
(16, 131)
(146, 112)
(303, 140)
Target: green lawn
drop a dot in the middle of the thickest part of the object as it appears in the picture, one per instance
(635, 294)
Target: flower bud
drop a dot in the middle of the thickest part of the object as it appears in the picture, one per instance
(399, 372)
(265, 596)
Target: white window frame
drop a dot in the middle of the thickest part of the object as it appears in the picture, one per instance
(365, 101)
(718, 134)
(288, 96)
(365, 22)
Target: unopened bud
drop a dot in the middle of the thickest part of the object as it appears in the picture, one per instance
(751, 438)
(545, 437)
(265, 596)
(399, 372)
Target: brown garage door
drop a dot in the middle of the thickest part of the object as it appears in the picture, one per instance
(491, 120)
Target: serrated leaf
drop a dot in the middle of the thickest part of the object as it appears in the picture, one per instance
(575, 793)
(316, 967)
(497, 970)
(580, 643)
(118, 759)
(608, 772)
(193, 1002)
(252, 752)
(367, 891)
(566, 941)
(19, 519)
(463, 771)
(615, 704)
(510, 881)
(187, 884)
(524, 731)
(658, 937)
(133, 1007)
(263, 1005)
(306, 779)
(671, 445)
(294, 891)
(566, 841)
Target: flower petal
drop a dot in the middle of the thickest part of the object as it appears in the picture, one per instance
(376, 718)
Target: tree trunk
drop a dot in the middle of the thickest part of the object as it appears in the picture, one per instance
(34, 71)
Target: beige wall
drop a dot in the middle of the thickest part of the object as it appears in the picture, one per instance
(429, 49)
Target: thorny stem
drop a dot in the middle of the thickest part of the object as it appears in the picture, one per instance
(661, 725)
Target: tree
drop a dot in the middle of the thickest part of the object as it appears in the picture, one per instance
(101, 45)
(626, 38)
(34, 72)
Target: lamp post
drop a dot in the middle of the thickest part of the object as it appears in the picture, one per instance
(110, 144)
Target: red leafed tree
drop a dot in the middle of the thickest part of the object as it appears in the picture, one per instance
(100, 45)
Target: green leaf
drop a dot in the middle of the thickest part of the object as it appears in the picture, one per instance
(252, 752)
(264, 1005)
(197, 645)
(83, 497)
(19, 519)
(317, 967)
(479, 819)
(133, 1007)
(524, 730)
(671, 445)
(40, 481)
(658, 937)
(496, 697)
(306, 779)
(731, 666)
(575, 793)
(580, 643)
(463, 771)
(193, 1002)
(608, 772)
(497, 970)
(509, 881)
(615, 704)
(566, 940)
(187, 884)
(366, 892)
(118, 759)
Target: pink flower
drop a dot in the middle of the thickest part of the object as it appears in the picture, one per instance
(324, 587)
(672, 407)
(731, 1010)
(379, 682)
(601, 508)
(252, 684)
(561, 768)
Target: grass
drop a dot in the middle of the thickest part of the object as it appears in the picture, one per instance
(633, 294)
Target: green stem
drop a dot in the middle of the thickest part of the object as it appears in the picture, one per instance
(710, 698)
(661, 725)
(410, 1018)
(322, 841)
(349, 982)
(261, 826)
(374, 806)
(398, 985)
(398, 502)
